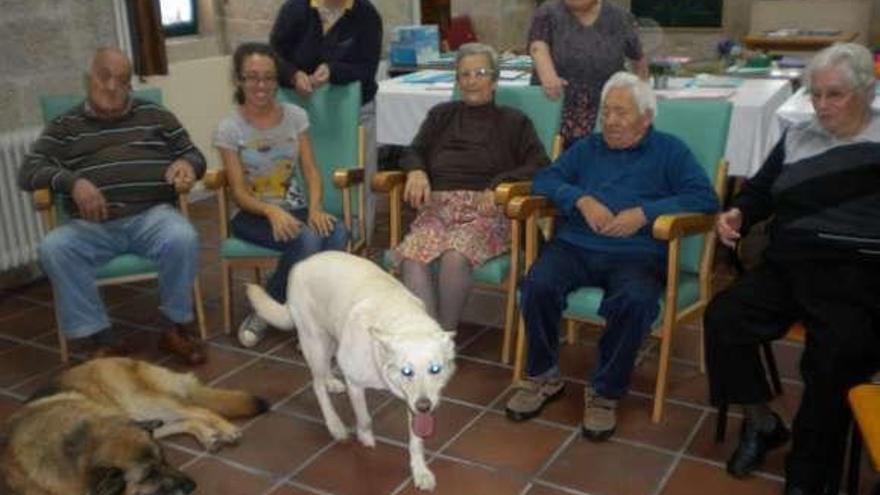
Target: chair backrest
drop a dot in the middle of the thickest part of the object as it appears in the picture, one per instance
(702, 125)
(54, 105)
(334, 112)
(545, 114)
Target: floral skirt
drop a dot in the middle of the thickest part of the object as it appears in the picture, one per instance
(451, 221)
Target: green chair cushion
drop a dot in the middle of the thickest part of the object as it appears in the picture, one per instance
(334, 119)
(491, 272)
(126, 265)
(233, 247)
(54, 105)
(583, 304)
(703, 126)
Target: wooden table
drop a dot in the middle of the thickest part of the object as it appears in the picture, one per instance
(797, 43)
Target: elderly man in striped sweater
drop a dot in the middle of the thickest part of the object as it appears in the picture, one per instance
(118, 162)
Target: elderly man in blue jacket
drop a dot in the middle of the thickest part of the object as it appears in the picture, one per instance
(608, 187)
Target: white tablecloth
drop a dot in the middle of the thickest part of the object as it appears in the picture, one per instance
(798, 108)
(401, 107)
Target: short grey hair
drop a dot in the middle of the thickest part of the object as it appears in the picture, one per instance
(468, 49)
(853, 61)
(640, 90)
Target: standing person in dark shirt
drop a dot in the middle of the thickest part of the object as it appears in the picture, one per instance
(461, 152)
(118, 162)
(576, 46)
(336, 42)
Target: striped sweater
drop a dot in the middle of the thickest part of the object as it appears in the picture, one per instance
(126, 158)
(823, 194)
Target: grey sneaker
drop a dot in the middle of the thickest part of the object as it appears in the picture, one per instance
(600, 416)
(532, 396)
(251, 330)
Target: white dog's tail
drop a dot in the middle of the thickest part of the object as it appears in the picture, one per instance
(276, 314)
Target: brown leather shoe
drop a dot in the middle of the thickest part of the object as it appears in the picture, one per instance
(183, 343)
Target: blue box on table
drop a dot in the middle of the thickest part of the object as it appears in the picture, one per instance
(413, 45)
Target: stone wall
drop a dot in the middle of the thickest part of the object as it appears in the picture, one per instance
(47, 45)
(503, 24)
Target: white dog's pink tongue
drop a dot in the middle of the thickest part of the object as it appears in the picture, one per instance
(423, 425)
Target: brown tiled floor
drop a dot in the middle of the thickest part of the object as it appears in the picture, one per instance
(475, 450)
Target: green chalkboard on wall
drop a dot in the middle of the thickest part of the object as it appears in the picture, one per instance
(680, 13)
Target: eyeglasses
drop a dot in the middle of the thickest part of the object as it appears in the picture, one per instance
(481, 73)
(268, 79)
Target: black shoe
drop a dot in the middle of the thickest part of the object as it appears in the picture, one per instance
(753, 447)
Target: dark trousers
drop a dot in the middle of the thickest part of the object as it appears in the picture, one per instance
(839, 305)
(632, 284)
(258, 230)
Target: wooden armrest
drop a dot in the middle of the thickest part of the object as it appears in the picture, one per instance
(214, 179)
(506, 191)
(386, 181)
(347, 177)
(522, 207)
(668, 227)
(42, 199)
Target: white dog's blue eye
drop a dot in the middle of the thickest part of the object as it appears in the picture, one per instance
(435, 368)
(407, 371)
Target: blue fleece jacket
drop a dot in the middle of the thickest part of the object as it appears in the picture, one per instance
(659, 174)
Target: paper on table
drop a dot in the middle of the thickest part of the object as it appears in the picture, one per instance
(428, 77)
(696, 93)
(711, 81)
(440, 86)
(511, 75)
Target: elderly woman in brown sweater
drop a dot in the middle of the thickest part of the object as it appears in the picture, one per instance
(462, 151)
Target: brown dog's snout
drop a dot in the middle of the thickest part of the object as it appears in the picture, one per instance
(423, 405)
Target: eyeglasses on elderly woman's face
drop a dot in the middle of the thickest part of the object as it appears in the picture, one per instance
(481, 73)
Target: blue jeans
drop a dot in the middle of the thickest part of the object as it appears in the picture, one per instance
(258, 230)
(632, 284)
(72, 254)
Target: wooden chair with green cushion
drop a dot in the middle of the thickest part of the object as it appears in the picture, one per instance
(496, 273)
(703, 126)
(125, 268)
(337, 141)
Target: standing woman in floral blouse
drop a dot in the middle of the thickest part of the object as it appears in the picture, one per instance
(576, 45)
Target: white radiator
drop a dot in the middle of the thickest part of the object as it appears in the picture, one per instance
(20, 226)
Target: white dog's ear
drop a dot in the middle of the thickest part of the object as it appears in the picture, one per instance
(382, 337)
(449, 339)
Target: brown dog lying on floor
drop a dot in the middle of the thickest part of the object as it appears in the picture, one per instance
(94, 433)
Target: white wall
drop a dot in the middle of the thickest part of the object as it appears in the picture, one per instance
(199, 92)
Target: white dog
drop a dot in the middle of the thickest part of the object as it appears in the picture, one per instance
(382, 338)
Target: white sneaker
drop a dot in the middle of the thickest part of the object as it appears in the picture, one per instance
(251, 330)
